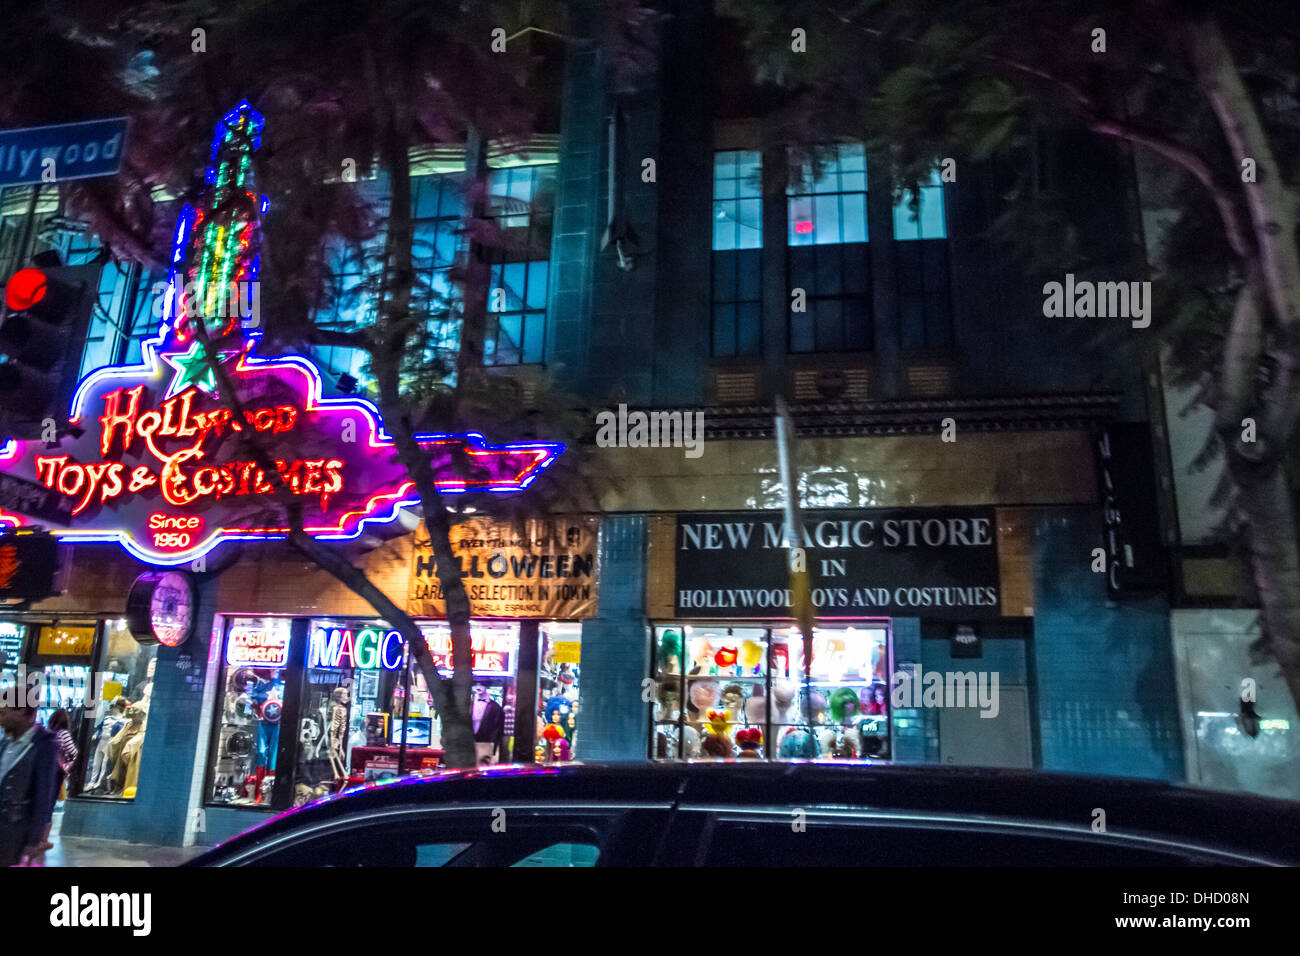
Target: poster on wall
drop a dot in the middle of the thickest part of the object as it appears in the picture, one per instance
(907, 562)
(543, 568)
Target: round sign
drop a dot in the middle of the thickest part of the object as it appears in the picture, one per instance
(160, 608)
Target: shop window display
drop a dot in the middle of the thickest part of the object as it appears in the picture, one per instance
(116, 738)
(12, 636)
(248, 737)
(558, 680)
(495, 653)
(354, 672)
(727, 692)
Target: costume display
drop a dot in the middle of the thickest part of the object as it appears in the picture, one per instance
(338, 728)
(488, 719)
(124, 750)
(100, 762)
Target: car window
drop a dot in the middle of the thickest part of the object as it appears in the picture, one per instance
(533, 837)
(816, 840)
(562, 854)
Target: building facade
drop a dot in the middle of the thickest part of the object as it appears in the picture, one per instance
(953, 451)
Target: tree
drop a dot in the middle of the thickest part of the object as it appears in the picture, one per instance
(345, 91)
(1204, 92)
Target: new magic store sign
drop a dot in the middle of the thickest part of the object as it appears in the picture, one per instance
(908, 562)
(169, 458)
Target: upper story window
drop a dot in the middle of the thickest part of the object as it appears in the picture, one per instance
(521, 198)
(737, 241)
(922, 272)
(829, 205)
(827, 252)
(926, 220)
(737, 206)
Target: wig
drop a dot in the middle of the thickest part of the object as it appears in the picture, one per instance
(840, 703)
(798, 744)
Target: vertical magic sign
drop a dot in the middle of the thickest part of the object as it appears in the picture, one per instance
(159, 459)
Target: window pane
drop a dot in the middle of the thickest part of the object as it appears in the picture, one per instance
(800, 213)
(826, 218)
(724, 225)
(829, 271)
(537, 272)
(748, 329)
(855, 217)
(747, 288)
(724, 276)
(801, 330)
(830, 331)
(750, 229)
(932, 219)
(724, 330)
(562, 854)
(534, 335)
(857, 325)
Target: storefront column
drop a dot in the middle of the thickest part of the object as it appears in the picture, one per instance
(614, 722)
(160, 811)
(911, 730)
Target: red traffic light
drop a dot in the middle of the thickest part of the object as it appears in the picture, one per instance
(25, 288)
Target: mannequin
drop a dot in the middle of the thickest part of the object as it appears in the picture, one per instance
(756, 707)
(338, 728)
(733, 701)
(489, 725)
(147, 691)
(125, 751)
(783, 692)
(113, 722)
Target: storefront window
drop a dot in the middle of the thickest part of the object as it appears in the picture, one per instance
(12, 636)
(558, 679)
(248, 735)
(346, 728)
(495, 650)
(738, 692)
(120, 719)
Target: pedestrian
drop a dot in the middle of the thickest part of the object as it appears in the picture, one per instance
(28, 779)
(59, 725)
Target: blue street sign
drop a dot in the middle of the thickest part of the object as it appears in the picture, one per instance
(78, 151)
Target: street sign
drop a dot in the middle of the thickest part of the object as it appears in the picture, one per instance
(33, 500)
(77, 151)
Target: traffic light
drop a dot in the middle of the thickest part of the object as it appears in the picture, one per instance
(42, 332)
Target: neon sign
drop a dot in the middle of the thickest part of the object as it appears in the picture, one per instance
(492, 649)
(157, 460)
(255, 646)
(369, 649)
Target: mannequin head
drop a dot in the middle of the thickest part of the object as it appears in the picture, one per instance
(783, 695)
(558, 710)
(339, 695)
(250, 787)
(703, 694)
(733, 698)
(844, 705)
(136, 714)
(479, 692)
(119, 705)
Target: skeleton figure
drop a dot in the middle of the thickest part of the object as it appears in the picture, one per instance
(338, 730)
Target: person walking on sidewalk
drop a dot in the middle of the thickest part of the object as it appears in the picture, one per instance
(28, 780)
(60, 724)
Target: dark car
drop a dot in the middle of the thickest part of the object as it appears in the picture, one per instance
(744, 813)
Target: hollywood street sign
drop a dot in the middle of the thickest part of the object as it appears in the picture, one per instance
(43, 154)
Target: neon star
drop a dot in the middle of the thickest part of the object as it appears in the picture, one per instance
(193, 368)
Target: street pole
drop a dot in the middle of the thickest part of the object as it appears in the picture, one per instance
(801, 605)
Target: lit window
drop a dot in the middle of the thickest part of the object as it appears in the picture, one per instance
(926, 220)
(737, 208)
(827, 201)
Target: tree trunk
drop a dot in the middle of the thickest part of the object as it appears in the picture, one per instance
(397, 325)
(1265, 502)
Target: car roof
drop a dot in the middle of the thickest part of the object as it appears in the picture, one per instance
(1204, 817)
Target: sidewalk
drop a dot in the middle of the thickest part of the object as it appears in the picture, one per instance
(92, 851)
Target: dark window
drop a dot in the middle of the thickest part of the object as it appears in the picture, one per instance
(827, 253)
(921, 264)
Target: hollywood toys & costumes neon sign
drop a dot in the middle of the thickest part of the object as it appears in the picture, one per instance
(149, 464)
